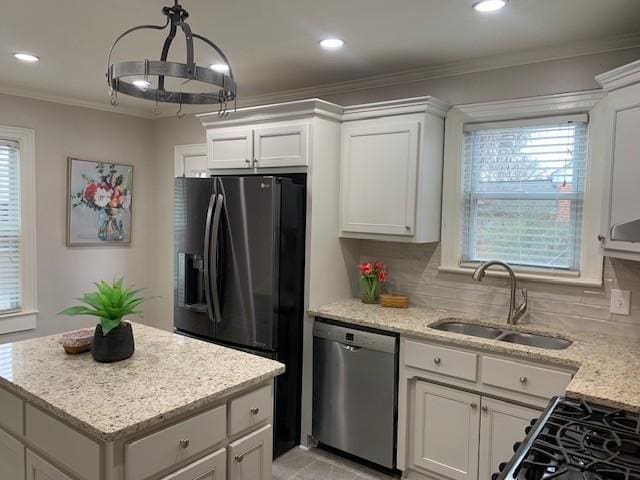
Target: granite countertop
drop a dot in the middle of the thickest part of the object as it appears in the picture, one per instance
(168, 375)
(608, 367)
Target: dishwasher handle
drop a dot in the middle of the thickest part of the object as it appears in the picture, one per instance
(350, 348)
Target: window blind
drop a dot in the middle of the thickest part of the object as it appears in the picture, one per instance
(523, 189)
(10, 271)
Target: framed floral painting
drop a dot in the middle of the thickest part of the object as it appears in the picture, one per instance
(99, 199)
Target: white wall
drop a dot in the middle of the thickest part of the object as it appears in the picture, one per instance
(63, 272)
(62, 131)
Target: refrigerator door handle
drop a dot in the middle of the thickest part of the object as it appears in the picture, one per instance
(212, 260)
(207, 255)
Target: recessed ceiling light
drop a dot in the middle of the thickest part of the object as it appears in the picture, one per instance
(26, 57)
(489, 5)
(142, 84)
(331, 43)
(220, 67)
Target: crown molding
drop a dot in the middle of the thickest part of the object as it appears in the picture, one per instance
(261, 113)
(397, 107)
(620, 77)
(572, 50)
(72, 102)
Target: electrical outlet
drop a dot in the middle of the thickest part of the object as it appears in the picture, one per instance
(620, 301)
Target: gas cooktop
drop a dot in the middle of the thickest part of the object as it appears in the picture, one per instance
(578, 440)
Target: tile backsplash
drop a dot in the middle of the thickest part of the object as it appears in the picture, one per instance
(414, 271)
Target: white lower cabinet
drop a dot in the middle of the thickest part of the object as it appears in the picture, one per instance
(502, 424)
(11, 457)
(464, 436)
(211, 467)
(446, 425)
(250, 456)
(39, 469)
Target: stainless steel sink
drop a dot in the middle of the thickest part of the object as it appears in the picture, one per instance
(532, 340)
(509, 336)
(469, 329)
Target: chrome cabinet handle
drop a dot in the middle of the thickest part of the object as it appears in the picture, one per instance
(184, 443)
(474, 406)
(484, 408)
(255, 411)
(524, 380)
(407, 227)
(239, 458)
(437, 360)
(246, 160)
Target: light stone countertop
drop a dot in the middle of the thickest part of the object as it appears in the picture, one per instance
(608, 367)
(169, 375)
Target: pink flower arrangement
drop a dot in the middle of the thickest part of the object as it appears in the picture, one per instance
(373, 274)
(110, 190)
(375, 270)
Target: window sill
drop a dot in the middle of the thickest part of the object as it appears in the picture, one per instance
(18, 321)
(555, 278)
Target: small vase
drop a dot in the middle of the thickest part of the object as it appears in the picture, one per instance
(110, 225)
(369, 290)
(116, 345)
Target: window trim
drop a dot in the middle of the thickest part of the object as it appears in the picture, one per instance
(525, 109)
(25, 318)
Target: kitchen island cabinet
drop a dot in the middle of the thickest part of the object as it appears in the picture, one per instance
(179, 409)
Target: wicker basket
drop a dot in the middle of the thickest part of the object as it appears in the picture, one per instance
(394, 300)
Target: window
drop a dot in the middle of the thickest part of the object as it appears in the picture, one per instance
(523, 191)
(522, 183)
(17, 230)
(10, 268)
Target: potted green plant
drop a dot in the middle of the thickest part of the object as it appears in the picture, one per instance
(111, 302)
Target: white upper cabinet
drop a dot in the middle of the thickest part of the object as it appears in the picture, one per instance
(264, 145)
(391, 175)
(621, 223)
(379, 168)
(230, 148)
(281, 146)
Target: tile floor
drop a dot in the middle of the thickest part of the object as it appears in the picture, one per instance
(316, 464)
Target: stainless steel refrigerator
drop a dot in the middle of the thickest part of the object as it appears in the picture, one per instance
(239, 275)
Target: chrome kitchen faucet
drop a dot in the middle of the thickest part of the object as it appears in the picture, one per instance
(514, 312)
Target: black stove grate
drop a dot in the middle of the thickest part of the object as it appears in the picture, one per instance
(578, 440)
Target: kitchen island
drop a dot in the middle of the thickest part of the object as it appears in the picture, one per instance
(179, 409)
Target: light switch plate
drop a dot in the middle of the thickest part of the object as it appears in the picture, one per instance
(620, 301)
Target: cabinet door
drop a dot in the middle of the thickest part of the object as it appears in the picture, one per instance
(623, 117)
(250, 457)
(230, 148)
(501, 426)
(446, 436)
(39, 469)
(211, 467)
(379, 177)
(11, 457)
(281, 146)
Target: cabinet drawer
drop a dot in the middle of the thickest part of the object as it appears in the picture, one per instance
(528, 379)
(211, 467)
(165, 448)
(11, 416)
(70, 448)
(445, 361)
(250, 409)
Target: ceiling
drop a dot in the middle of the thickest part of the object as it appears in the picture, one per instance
(272, 44)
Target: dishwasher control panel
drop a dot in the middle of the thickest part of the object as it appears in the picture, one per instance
(357, 338)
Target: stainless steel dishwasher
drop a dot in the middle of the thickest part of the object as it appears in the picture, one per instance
(355, 391)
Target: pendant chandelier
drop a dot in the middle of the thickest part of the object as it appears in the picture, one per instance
(119, 75)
